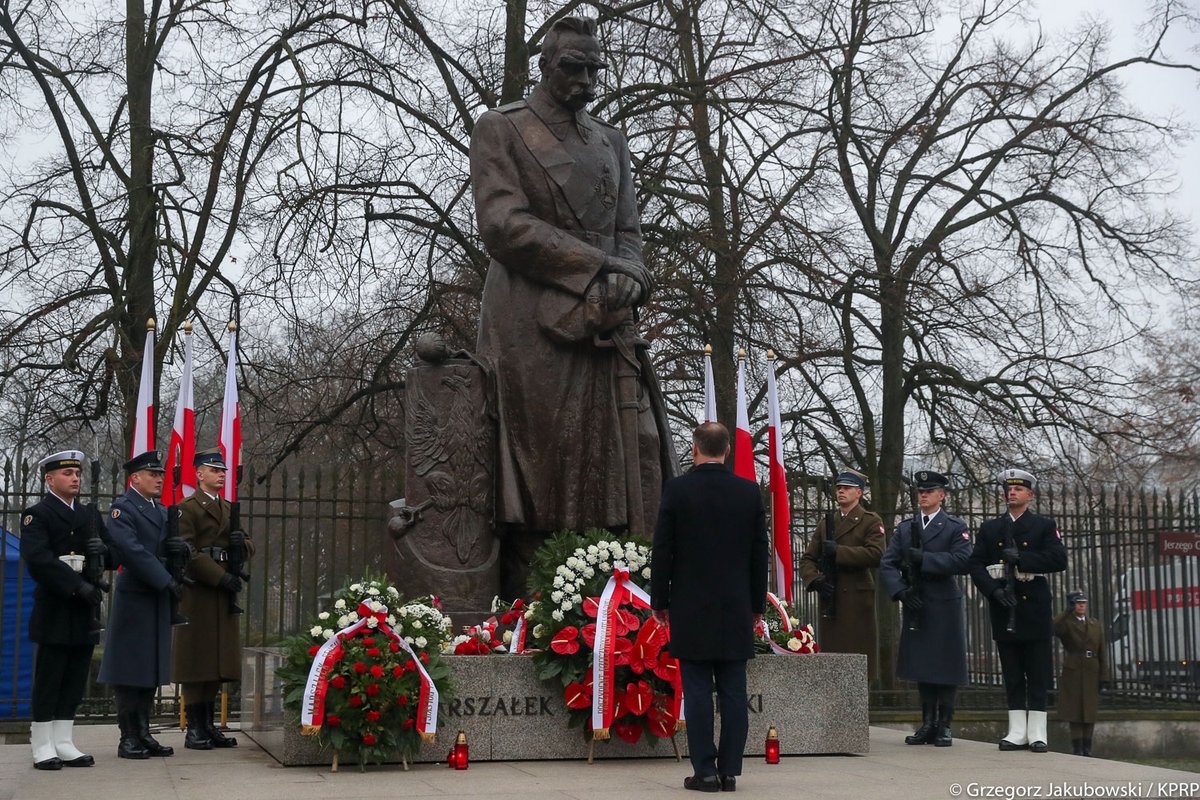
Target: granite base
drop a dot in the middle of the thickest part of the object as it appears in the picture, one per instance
(818, 703)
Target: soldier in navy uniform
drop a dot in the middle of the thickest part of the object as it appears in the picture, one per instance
(933, 637)
(1027, 547)
(137, 652)
(557, 210)
(56, 535)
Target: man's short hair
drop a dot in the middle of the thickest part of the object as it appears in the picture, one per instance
(581, 26)
(711, 439)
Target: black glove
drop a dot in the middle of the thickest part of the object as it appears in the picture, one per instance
(237, 539)
(230, 583)
(829, 548)
(825, 589)
(1010, 555)
(915, 556)
(911, 599)
(176, 589)
(95, 547)
(89, 593)
(1004, 597)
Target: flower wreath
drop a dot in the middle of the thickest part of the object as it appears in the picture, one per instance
(781, 633)
(578, 597)
(503, 632)
(376, 688)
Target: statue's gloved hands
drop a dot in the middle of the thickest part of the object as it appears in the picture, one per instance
(621, 291)
(635, 271)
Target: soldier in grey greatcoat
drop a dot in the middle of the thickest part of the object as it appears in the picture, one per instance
(557, 211)
(137, 652)
(925, 553)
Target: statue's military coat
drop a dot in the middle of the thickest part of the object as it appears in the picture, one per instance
(1079, 682)
(860, 539)
(208, 648)
(137, 649)
(937, 651)
(554, 196)
(51, 529)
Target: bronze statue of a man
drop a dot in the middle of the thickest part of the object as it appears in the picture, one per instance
(583, 438)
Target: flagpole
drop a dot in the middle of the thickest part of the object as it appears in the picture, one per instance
(780, 509)
(710, 391)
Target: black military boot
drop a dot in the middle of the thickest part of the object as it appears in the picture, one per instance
(214, 733)
(143, 716)
(942, 736)
(197, 737)
(1085, 747)
(925, 733)
(1077, 747)
(131, 742)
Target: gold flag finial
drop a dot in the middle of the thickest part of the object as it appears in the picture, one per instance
(741, 353)
(770, 355)
(232, 326)
(150, 324)
(187, 328)
(708, 349)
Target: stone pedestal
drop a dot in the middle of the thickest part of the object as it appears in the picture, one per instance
(817, 702)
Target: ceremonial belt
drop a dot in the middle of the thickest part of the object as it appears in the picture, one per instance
(218, 554)
(1088, 654)
(598, 240)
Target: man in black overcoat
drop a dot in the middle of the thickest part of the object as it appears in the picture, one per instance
(137, 652)
(1013, 554)
(925, 553)
(56, 535)
(709, 584)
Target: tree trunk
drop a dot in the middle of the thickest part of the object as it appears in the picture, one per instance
(516, 53)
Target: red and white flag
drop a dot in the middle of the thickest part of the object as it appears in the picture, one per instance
(710, 391)
(231, 420)
(143, 423)
(743, 445)
(182, 449)
(780, 509)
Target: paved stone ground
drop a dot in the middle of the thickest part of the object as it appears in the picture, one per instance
(891, 770)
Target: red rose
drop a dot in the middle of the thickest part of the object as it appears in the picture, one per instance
(338, 682)
(373, 716)
(373, 652)
(369, 739)
(411, 665)
(395, 648)
(312, 651)
(424, 659)
(373, 689)
(360, 667)
(332, 719)
(408, 723)
(377, 671)
(402, 700)
(397, 671)
(355, 700)
(368, 641)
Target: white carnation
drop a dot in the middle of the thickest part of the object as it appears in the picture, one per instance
(567, 605)
(646, 573)
(508, 637)
(403, 611)
(408, 639)
(371, 590)
(558, 582)
(417, 624)
(588, 572)
(316, 630)
(372, 622)
(421, 641)
(339, 605)
(538, 630)
(327, 633)
(592, 550)
(323, 615)
(602, 544)
(557, 615)
(343, 621)
(356, 587)
(391, 621)
(556, 597)
(352, 616)
(393, 591)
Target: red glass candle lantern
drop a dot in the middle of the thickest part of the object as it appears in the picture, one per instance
(461, 752)
(772, 745)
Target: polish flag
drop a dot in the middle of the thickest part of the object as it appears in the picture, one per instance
(231, 420)
(182, 450)
(780, 509)
(743, 446)
(143, 423)
(710, 391)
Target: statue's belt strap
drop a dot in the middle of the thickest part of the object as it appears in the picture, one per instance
(598, 240)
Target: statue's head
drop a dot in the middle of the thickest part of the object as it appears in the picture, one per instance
(570, 62)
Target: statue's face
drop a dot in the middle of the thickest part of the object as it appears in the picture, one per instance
(572, 73)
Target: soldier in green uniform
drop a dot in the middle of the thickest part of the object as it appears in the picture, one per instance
(857, 546)
(208, 651)
(1084, 669)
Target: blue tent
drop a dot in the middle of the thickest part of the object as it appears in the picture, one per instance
(16, 651)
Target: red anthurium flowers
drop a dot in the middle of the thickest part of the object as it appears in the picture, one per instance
(622, 650)
(638, 697)
(566, 641)
(577, 695)
(628, 731)
(588, 634)
(661, 722)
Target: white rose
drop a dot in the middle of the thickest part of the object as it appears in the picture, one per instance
(529, 613)
(328, 634)
(580, 552)
(372, 622)
(538, 630)
(315, 631)
(356, 587)
(339, 605)
(445, 624)
(795, 622)
(343, 621)
(403, 611)
(323, 615)
(421, 641)
(391, 621)
(602, 544)
(408, 639)
(794, 644)
(393, 591)
(508, 637)
(417, 624)
(371, 590)
(352, 616)
(557, 615)
(556, 597)
(646, 573)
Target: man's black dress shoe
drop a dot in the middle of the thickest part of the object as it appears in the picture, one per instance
(728, 783)
(709, 783)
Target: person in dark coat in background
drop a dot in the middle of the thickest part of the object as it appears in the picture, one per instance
(55, 535)
(933, 631)
(856, 547)
(708, 582)
(1030, 546)
(207, 651)
(137, 652)
(1084, 670)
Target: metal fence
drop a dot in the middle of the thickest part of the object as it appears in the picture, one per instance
(316, 528)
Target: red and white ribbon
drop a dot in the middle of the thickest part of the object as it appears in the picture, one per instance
(517, 645)
(765, 632)
(312, 709)
(618, 590)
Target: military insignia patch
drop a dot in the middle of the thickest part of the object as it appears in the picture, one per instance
(881, 533)
(116, 512)
(966, 536)
(28, 519)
